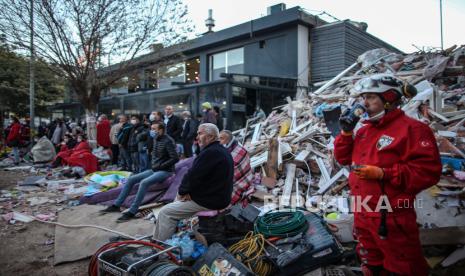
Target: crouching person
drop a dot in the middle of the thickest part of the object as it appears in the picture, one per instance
(207, 185)
(164, 157)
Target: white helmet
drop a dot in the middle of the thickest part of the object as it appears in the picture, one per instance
(378, 83)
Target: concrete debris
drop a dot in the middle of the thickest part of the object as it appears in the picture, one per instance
(296, 140)
(42, 193)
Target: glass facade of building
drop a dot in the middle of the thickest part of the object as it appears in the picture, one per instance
(231, 61)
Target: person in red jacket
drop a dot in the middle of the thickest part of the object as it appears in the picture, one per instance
(103, 131)
(80, 156)
(393, 158)
(14, 137)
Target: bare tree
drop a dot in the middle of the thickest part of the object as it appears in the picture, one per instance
(77, 35)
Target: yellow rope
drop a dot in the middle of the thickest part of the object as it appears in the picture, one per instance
(250, 251)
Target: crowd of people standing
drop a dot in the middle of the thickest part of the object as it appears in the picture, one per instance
(130, 138)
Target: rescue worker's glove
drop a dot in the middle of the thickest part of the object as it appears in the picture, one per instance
(369, 172)
(347, 122)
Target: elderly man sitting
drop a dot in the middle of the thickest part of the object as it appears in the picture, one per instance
(207, 185)
(243, 176)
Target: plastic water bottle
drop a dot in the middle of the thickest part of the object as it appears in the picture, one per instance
(187, 246)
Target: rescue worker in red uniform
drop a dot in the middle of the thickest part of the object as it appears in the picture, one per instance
(393, 157)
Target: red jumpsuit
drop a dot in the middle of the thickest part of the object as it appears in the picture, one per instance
(407, 152)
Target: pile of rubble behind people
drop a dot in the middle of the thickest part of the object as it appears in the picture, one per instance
(293, 146)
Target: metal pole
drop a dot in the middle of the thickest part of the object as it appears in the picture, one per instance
(31, 70)
(440, 10)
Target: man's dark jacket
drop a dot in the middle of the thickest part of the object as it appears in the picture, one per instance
(189, 131)
(174, 128)
(135, 136)
(209, 181)
(123, 134)
(164, 154)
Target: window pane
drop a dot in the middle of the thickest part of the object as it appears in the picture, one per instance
(217, 65)
(192, 70)
(150, 81)
(215, 95)
(110, 107)
(235, 56)
(238, 107)
(236, 61)
(139, 104)
(170, 73)
(179, 102)
(219, 60)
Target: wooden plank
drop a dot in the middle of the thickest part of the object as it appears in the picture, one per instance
(453, 113)
(293, 122)
(297, 194)
(287, 190)
(302, 126)
(457, 125)
(439, 116)
(335, 79)
(271, 167)
(305, 135)
(256, 134)
(333, 180)
(302, 156)
(323, 169)
(258, 160)
(458, 117)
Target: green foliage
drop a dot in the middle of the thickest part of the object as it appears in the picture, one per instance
(14, 83)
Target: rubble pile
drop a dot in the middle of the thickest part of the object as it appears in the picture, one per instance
(42, 194)
(293, 147)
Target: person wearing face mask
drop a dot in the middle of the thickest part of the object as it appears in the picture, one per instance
(137, 145)
(243, 176)
(164, 157)
(155, 117)
(206, 186)
(189, 131)
(393, 157)
(208, 114)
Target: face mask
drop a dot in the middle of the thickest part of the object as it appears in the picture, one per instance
(204, 110)
(134, 122)
(79, 140)
(377, 117)
(153, 133)
(152, 117)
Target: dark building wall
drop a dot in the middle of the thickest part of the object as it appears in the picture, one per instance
(358, 41)
(274, 56)
(336, 46)
(327, 52)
